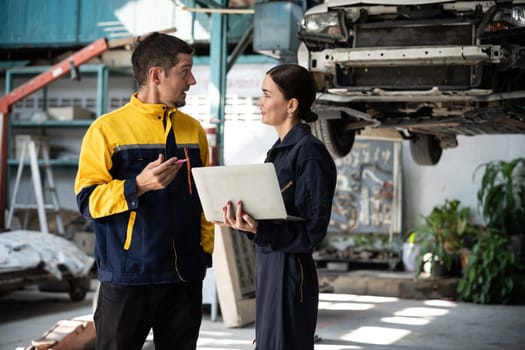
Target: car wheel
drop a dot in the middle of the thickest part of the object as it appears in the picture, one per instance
(334, 133)
(425, 149)
(78, 288)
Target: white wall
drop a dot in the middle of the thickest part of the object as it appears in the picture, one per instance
(453, 178)
(423, 186)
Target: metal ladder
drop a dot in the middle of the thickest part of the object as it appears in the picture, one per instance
(31, 148)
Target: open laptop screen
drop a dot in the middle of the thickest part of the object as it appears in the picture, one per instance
(256, 185)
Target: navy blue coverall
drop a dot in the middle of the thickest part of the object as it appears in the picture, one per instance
(287, 290)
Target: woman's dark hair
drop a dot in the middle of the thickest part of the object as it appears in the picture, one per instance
(156, 50)
(295, 81)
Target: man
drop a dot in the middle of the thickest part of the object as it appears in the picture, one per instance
(153, 244)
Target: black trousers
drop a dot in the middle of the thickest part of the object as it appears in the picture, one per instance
(125, 315)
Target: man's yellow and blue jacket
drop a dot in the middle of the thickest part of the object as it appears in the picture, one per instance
(161, 236)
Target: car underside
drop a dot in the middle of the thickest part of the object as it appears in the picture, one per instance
(431, 70)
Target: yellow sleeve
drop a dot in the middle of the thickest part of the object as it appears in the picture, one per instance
(207, 228)
(207, 235)
(107, 196)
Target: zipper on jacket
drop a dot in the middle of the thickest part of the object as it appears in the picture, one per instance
(164, 123)
(287, 186)
(166, 132)
(302, 279)
(129, 230)
(175, 262)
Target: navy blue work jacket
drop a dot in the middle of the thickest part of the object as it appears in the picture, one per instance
(307, 176)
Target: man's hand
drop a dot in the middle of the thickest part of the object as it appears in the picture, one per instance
(157, 174)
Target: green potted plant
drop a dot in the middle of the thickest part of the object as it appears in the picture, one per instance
(501, 197)
(442, 237)
(489, 277)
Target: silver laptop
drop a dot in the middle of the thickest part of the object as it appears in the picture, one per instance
(256, 185)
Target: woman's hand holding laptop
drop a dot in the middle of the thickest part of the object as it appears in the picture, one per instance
(237, 218)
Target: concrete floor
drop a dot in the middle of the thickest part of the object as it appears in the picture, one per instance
(346, 321)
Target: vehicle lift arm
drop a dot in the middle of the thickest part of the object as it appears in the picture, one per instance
(60, 69)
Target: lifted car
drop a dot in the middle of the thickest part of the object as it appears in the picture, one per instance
(431, 70)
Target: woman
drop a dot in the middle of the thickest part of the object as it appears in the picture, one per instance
(286, 284)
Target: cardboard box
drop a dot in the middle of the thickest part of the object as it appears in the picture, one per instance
(69, 113)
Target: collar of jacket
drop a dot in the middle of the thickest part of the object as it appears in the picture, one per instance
(150, 110)
(297, 132)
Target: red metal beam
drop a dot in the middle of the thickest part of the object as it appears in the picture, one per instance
(80, 57)
(60, 69)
